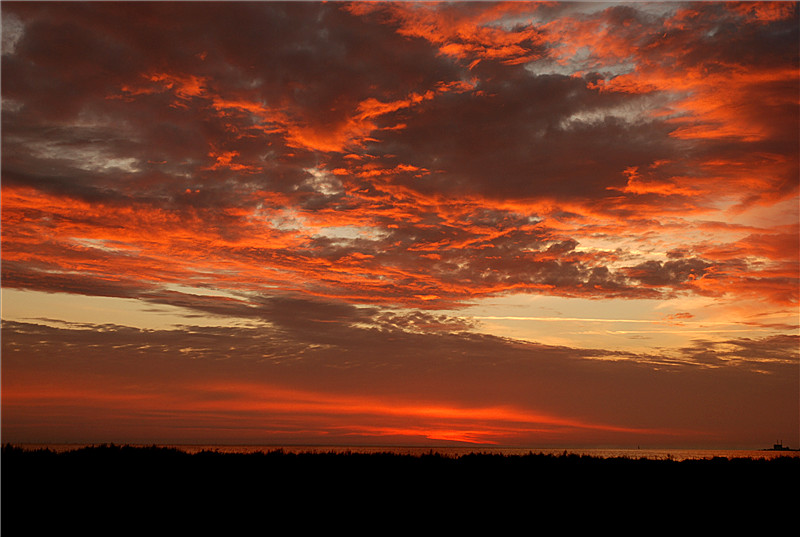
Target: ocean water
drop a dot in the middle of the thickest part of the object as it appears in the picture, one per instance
(450, 451)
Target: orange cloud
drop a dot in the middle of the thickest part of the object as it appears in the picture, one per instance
(466, 34)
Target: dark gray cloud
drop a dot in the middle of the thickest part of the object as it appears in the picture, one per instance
(669, 273)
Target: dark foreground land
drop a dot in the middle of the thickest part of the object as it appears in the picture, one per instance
(168, 489)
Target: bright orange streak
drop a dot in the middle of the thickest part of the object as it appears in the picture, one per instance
(247, 396)
(352, 415)
(357, 129)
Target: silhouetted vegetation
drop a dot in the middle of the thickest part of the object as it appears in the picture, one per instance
(136, 482)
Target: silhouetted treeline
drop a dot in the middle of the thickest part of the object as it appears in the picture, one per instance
(146, 483)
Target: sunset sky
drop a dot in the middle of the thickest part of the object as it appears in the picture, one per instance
(516, 224)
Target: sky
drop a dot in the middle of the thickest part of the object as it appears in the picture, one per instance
(549, 224)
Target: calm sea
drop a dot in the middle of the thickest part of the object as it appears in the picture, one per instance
(656, 454)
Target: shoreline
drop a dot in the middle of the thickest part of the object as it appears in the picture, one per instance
(194, 446)
(446, 452)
